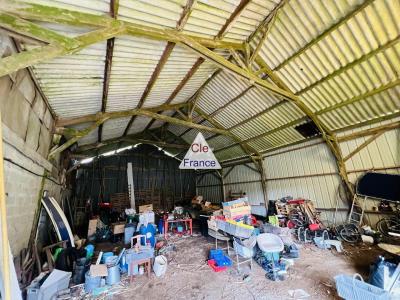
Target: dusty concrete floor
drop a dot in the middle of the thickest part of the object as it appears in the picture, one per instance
(188, 276)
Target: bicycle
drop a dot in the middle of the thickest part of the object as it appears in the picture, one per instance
(390, 226)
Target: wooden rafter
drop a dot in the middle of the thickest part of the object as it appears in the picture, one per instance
(187, 10)
(115, 114)
(326, 32)
(230, 22)
(362, 146)
(101, 118)
(160, 65)
(50, 14)
(114, 5)
(370, 131)
(25, 59)
(129, 140)
(354, 63)
(265, 28)
(182, 21)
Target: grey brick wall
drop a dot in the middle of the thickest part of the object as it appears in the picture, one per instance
(27, 125)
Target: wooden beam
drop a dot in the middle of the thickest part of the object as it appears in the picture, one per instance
(50, 14)
(362, 146)
(114, 5)
(160, 65)
(265, 27)
(131, 140)
(354, 63)
(360, 97)
(179, 26)
(370, 131)
(76, 138)
(34, 31)
(231, 68)
(328, 136)
(32, 75)
(25, 59)
(230, 22)
(150, 114)
(115, 114)
(187, 10)
(326, 32)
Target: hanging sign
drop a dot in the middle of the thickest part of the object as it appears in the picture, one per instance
(199, 156)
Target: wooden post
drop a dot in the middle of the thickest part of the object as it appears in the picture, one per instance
(3, 218)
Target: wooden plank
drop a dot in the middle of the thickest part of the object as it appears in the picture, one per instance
(114, 4)
(25, 59)
(230, 22)
(363, 145)
(115, 114)
(50, 14)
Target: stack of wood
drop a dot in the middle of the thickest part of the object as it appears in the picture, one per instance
(120, 201)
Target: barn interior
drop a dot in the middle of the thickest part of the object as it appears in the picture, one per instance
(198, 149)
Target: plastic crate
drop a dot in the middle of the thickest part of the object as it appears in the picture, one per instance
(215, 253)
(348, 287)
(214, 266)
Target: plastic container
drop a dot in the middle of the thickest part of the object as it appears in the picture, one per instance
(128, 232)
(348, 287)
(113, 276)
(57, 281)
(242, 250)
(160, 265)
(91, 282)
(214, 266)
(105, 256)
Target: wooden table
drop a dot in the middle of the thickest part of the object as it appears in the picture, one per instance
(167, 222)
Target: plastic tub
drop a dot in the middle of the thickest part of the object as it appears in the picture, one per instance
(160, 265)
(243, 251)
(349, 287)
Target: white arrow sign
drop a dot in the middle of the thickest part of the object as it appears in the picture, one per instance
(199, 156)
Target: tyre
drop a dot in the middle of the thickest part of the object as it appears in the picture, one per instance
(387, 225)
(350, 233)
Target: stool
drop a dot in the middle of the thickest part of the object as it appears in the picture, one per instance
(147, 265)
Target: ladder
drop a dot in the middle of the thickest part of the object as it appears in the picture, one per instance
(357, 211)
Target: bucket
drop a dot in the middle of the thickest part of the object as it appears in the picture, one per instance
(91, 282)
(160, 265)
(105, 255)
(113, 275)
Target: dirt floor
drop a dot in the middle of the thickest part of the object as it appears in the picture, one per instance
(188, 276)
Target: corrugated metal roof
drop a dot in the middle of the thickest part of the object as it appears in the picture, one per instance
(134, 60)
(342, 58)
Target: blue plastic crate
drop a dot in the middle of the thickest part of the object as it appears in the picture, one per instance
(223, 261)
(215, 253)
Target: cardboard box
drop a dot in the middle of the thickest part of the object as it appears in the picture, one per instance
(118, 228)
(92, 227)
(145, 208)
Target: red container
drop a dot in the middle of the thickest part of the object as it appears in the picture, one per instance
(313, 227)
(214, 266)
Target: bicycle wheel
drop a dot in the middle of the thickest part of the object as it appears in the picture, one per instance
(350, 233)
(387, 225)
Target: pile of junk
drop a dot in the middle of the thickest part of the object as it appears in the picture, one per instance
(107, 260)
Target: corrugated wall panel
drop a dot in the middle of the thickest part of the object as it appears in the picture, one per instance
(209, 186)
(244, 179)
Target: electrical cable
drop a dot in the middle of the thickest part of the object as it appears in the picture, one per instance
(36, 174)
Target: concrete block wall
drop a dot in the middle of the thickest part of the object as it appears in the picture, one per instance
(27, 124)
